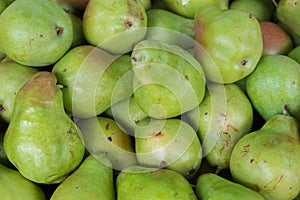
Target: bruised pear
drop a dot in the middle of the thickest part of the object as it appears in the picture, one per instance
(214, 187)
(237, 35)
(41, 141)
(142, 183)
(267, 160)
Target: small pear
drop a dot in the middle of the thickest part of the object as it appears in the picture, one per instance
(41, 141)
(295, 53)
(14, 186)
(12, 77)
(275, 84)
(102, 135)
(267, 160)
(78, 37)
(46, 32)
(116, 25)
(141, 183)
(170, 143)
(214, 187)
(93, 179)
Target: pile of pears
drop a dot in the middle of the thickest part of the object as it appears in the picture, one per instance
(150, 99)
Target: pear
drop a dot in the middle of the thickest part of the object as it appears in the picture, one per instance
(102, 135)
(12, 77)
(93, 179)
(220, 129)
(41, 141)
(127, 114)
(288, 13)
(267, 160)
(214, 187)
(142, 183)
(168, 80)
(293, 35)
(171, 28)
(295, 53)
(275, 39)
(170, 143)
(263, 10)
(46, 32)
(93, 80)
(78, 37)
(237, 35)
(15, 186)
(275, 84)
(189, 8)
(121, 22)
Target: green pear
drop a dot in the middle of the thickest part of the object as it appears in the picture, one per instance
(171, 28)
(275, 39)
(189, 8)
(93, 80)
(102, 135)
(12, 77)
(288, 13)
(168, 80)
(237, 35)
(127, 114)
(78, 37)
(141, 183)
(115, 26)
(275, 84)
(218, 137)
(46, 32)
(14, 186)
(267, 160)
(41, 141)
(295, 53)
(170, 143)
(263, 10)
(93, 179)
(214, 187)
(293, 35)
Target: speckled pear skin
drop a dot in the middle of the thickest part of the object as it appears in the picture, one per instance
(171, 144)
(190, 7)
(12, 77)
(168, 80)
(46, 32)
(237, 35)
(123, 24)
(214, 187)
(238, 120)
(288, 13)
(93, 80)
(93, 179)
(267, 160)
(15, 186)
(41, 141)
(141, 183)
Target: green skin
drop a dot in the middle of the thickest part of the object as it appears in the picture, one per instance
(168, 80)
(295, 53)
(214, 187)
(123, 22)
(288, 13)
(263, 10)
(237, 35)
(127, 114)
(103, 135)
(293, 35)
(238, 120)
(146, 4)
(3, 5)
(13, 77)
(274, 84)
(141, 183)
(190, 7)
(41, 141)
(44, 38)
(15, 186)
(78, 37)
(92, 180)
(171, 144)
(171, 28)
(267, 160)
(93, 80)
